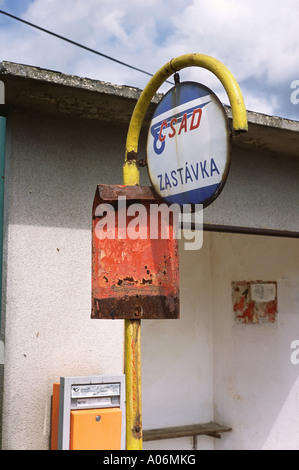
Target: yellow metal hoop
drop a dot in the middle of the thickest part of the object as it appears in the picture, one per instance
(239, 116)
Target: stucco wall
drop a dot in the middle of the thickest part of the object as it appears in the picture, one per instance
(52, 171)
(256, 385)
(261, 192)
(195, 369)
(177, 357)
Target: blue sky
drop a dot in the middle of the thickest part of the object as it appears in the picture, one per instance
(257, 40)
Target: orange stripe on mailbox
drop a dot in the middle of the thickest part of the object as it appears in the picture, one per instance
(135, 262)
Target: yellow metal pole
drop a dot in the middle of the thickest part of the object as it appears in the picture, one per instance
(133, 355)
(133, 385)
(131, 178)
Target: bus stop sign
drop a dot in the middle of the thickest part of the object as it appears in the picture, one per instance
(188, 147)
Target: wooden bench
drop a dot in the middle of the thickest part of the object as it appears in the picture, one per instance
(209, 429)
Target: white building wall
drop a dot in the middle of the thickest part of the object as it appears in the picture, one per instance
(177, 373)
(208, 360)
(51, 176)
(256, 385)
(196, 369)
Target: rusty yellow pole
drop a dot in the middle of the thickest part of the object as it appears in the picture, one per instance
(133, 385)
(133, 355)
(131, 178)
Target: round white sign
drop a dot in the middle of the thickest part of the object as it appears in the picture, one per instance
(188, 146)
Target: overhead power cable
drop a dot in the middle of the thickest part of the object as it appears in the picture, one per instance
(77, 44)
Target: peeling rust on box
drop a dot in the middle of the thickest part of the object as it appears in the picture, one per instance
(110, 193)
(136, 307)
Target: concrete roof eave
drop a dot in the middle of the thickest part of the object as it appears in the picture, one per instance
(50, 92)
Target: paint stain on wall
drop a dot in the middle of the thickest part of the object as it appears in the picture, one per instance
(254, 302)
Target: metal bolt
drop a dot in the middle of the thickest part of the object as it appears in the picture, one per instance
(137, 428)
(98, 418)
(138, 311)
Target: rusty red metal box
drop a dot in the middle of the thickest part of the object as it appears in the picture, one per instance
(132, 278)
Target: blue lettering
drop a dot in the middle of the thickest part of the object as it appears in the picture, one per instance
(157, 144)
(203, 169)
(214, 167)
(195, 174)
(188, 175)
(167, 182)
(173, 175)
(160, 178)
(182, 176)
(180, 172)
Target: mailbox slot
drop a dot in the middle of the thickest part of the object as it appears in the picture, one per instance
(88, 413)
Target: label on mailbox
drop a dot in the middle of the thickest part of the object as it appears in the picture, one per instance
(95, 390)
(188, 147)
(93, 402)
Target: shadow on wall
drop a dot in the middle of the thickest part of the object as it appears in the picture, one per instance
(54, 166)
(255, 382)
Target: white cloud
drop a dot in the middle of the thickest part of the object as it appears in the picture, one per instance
(265, 105)
(256, 40)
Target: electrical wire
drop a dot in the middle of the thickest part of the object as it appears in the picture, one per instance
(77, 44)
